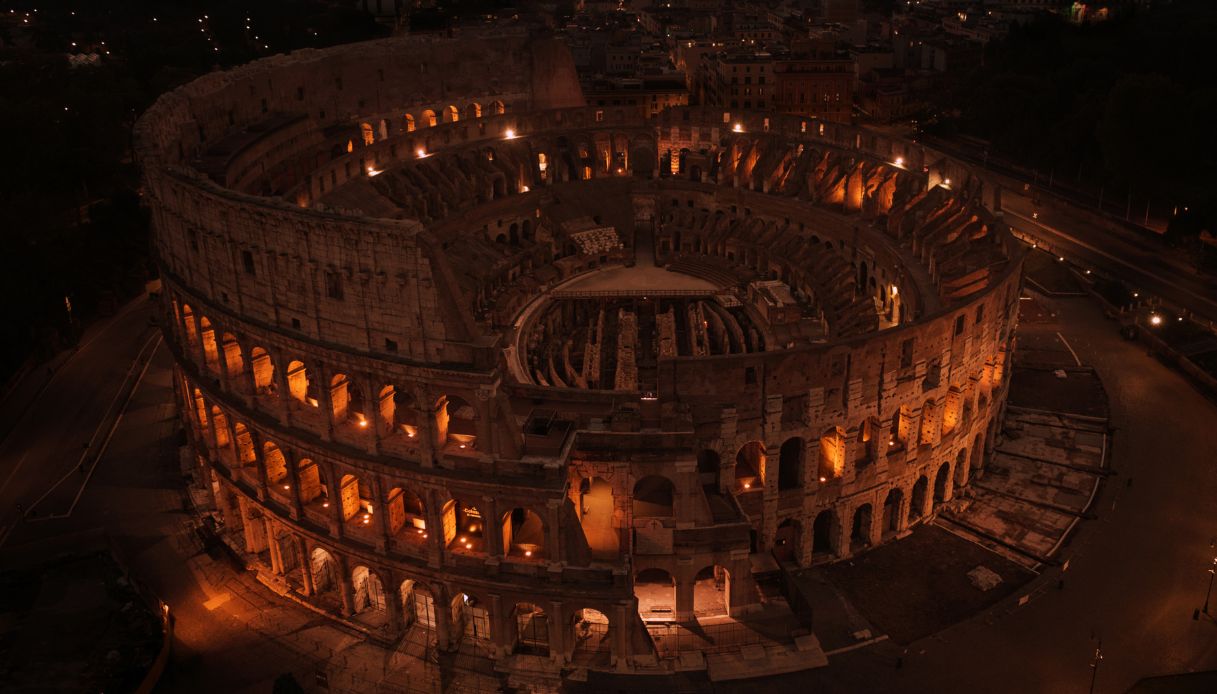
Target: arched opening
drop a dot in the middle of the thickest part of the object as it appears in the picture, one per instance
(455, 422)
(473, 110)
(369, 592)
(463, 527)
(859, 535)
(355, 508)
(917, 499)
(276, 466)
(891, 511)
(246, 454)
(409, 123)
(299, 384)
(324, 570)
(902, 428)
(822, 543)
(308, 477)
(470, 618)
(832, 454)
(220, 425)
(234, 361)
(200, 408)
(347, 404)
(532, 629)
(655, 590)
(590, 637)
(191, 331)
(429, 119)
(952, 411)
(399, 412)
(596, 514)
(452, 114)
(263, 370)
(407, 518)
(786, 540)
(750, 466)
(418, 606)
(790, 464)
(977, 461)
(497, 108)
(365, 131)
(654, 497)
(712, 592)
(523, 534)
(942, 484)
(211, 352)
(866, 453)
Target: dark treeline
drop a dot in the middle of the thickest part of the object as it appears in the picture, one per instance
(1127, 103)
(70, 220)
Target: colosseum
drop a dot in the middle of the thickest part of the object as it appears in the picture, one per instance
(466, 360)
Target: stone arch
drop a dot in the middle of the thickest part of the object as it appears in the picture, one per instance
(300, 384)
(523, 533)
(211, 350)
(654, 497)
(220, 427)
(942, 484)
(750, 466)
(456, 421)
(918, 498)
(860, 530)
(324, 570)
(428, 119)
(418, 604)
(596, 516)
(977, 459)
(408, 122)
(263, 371)
(470, 619)
(308, 478)
(786, 540)
(655, 590)
(961, 468)
(929, 423)
(350, 496)
(473, 110)
(823, 533)
(191, 330)
(246, 453)
(531, 629)
(952, 411)
(347, 403)
(234, 359)
(497, 108)
(712, 592)
(451, 114)
(464, 527)
(589, 637)
(276, 465)
(406, 512)
(891, 511)
(867, 451)
(367, 135)
(790, 464)
(832, 454)
(367, 590)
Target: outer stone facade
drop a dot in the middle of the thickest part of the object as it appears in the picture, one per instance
(365, 251)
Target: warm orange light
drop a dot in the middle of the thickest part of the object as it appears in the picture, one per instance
(899, 161)
(737, 128)
(747, 485)
(509, 134)
(421, 152)
(528, 552)
(823, 479)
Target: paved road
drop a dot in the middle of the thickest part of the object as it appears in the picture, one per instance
(70, 418)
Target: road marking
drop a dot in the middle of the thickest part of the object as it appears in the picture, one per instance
(856, 646)
(1066, 343)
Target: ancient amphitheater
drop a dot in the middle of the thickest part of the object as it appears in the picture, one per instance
(470, 363)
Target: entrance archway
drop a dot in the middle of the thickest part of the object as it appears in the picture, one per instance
(655, 590)
(822, 543)
(712, 592)
(859, 535)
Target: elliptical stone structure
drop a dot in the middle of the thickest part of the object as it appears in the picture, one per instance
(405, 401)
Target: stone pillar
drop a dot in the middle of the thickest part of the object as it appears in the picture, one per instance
(380, 512)
(502, 631)
(325, 402)
(276, 550)
(333, 498)
(769, 501)
(553, 531)
(255, 533)
(306, 566)
(295, 508)
(686, 485)
(283, 395)
(443, 617)
(262, 481)
(435, 529)
(684, 594)
(492, 528)
(622, 626)
(741, 596)
(344, 585)
(875, 532)
(842, 532)
(806, 539)
(394, 606)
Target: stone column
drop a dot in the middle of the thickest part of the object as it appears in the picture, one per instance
(842, 532)
(502, 631)
(443, 617)
(325, 403)
(344, 585)
(435, 529)
(492, 529)
(295, 507)
(394, 606)
(558, 624)
(283, 394)
(334, 498)
(306, 566)
(621, 627)
(553, 531)
(272, 543)
(769, 501)
(684, 594)
(686, 486)
(380, 512)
